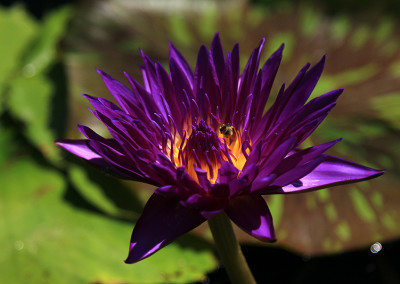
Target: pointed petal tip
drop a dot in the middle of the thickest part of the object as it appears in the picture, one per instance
(101, 72)
(378, 173)
(270, 239)
(203, 48)
(106, 77)
(144, 56)
(59, 142)
(172, 48)
(338, 140)
(338, 92)
(305, 68)
(216, 37)
(131, 260)
(80, 126)
(323, 60)
(134, 257)
(89, 97)
(279, 51)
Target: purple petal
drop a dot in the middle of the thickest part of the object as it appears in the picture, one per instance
(152, 81)
(274, 158)
(175, 55)
(206, 206)
(120, 92)
(170, 96)
(320, 102)
(300, 157)
(254, 156)
(227, 172)
(305, 87)
(113, 153)
(173, 192)
(332, 171)
(297, 173)
(201, 68)
(261, 183)
(162, 221)
(252, 215)
(267, 73)
(183, 84)
(218, 57)
(186, 180)
(80, 148)
(147, 103)
(249, 75)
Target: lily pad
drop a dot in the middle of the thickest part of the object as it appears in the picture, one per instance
(46, 240)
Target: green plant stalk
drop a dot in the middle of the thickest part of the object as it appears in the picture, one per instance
(229, 250)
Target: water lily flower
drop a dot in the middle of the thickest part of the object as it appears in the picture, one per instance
(205, 140)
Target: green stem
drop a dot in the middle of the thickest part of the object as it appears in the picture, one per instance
(229, 250)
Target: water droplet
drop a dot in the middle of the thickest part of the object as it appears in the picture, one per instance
(29, 70)
(19, 245)
(376, 247)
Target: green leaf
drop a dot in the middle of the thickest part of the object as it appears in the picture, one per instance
(16, 30)
(104, 199)
(28, 50)
(43, 51)
(29, 101)
(46, 240)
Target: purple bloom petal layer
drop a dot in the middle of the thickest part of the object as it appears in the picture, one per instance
(204, 139)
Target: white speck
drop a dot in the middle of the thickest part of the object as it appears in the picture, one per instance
(29, 70)
(376, 247)
(19, 245)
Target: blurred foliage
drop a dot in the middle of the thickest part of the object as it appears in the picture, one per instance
(352, 8)
(61, 221)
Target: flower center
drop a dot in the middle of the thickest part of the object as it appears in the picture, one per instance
(206, 148)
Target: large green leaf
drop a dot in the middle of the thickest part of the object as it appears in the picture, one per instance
(46, 240)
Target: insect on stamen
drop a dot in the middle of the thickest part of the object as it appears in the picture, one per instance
(227, 130)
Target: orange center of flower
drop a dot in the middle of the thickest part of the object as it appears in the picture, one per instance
(206, 148)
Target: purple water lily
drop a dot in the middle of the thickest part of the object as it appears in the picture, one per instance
(205, 140)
